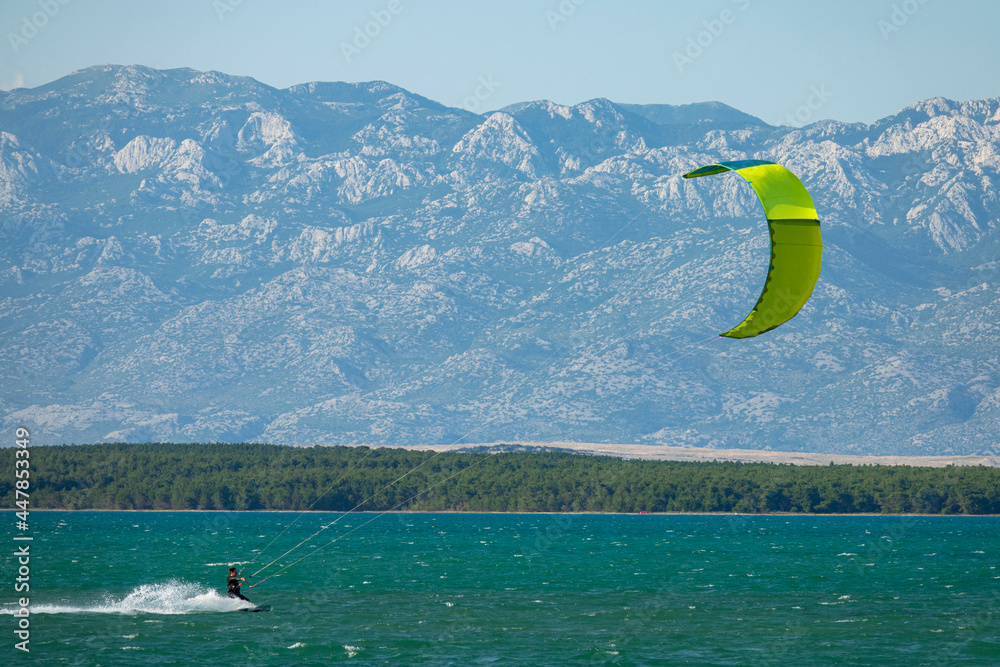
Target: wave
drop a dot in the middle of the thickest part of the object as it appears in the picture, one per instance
(230, 564)
(174, 597)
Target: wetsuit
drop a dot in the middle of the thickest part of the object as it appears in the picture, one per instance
(234, 588)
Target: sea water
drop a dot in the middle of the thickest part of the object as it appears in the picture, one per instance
(148, 588)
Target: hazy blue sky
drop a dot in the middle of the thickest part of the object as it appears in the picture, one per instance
(848, 60)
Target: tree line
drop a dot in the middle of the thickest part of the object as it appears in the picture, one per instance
(162, 476)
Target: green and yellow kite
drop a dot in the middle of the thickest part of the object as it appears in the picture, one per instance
(796, 246)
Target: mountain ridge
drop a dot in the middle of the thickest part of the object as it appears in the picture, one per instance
(194, 256)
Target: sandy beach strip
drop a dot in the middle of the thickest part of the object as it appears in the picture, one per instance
(664, 453)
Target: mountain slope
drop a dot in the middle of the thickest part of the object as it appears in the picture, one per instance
(196, 256)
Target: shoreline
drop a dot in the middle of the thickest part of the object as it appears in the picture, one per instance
(397, 512)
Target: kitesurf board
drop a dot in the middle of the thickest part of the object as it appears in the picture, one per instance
(263, 607)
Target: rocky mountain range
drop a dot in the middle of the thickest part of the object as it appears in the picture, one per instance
(193, 256)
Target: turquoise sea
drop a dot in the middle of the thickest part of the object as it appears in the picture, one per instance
(148, 588)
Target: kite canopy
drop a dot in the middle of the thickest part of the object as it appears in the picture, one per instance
(796, 246)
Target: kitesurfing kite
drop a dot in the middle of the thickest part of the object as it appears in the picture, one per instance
(796, 246)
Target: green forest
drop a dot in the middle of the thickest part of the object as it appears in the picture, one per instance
(159, 476)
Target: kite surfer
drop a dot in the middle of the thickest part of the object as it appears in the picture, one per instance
(233, 584)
